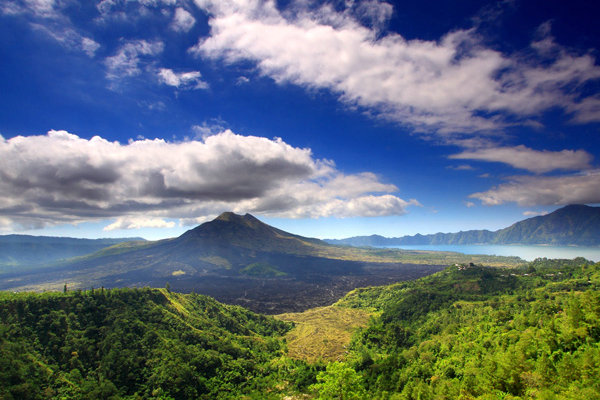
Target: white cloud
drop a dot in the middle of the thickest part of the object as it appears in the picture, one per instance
(37, 8)
(138, 222)
(42, 8)
(531, 160)
(442, 86)
(534, 213)
(581, 188)
(182, 80)
(206, 129)
(62, 178)
(46, 17)
(126, 62)
(462, 167)
(132, 11)
(89, 46)
(183, 21)
(469, 204)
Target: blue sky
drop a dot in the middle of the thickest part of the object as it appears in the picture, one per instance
(327, 119)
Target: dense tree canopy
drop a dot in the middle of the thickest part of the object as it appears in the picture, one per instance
(467, 332)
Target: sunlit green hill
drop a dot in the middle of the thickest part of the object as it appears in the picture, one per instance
(125, 343)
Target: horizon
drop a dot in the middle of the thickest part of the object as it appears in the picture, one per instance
(325, 119)
(244, 215)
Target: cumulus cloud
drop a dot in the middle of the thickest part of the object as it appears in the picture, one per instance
(528, 159)
(181, 80)
(209, 128)
(138, 222)
(439, 86)
(126, 62)
(63, 178)
(583, 188)
(183, 21)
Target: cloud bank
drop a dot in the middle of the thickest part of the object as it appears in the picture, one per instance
(62, 178)
(582, 188)
(528, 159)
(455, 84)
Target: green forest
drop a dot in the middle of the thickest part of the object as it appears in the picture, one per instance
(467, 332)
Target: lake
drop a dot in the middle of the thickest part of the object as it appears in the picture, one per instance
(528, 253)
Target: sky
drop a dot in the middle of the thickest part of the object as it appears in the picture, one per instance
(145, 118)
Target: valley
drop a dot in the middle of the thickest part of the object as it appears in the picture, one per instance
(237, 309)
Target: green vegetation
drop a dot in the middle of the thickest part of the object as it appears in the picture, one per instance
(467, 332)
(482, 333)
(125, 343)
(261, 270)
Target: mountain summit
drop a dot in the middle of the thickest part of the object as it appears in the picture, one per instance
(250, 233)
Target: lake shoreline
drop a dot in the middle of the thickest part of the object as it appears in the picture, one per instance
(526, 252)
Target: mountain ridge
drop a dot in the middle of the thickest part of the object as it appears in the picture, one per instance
(240, 260)
(572, 225)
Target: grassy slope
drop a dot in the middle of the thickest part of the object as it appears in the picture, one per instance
(323, 333)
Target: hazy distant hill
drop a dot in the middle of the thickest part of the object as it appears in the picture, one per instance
(19, 250)
(571, 225)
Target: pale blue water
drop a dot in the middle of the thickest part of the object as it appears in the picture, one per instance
(528, 253)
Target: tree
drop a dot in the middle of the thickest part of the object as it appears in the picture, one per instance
(339, 382)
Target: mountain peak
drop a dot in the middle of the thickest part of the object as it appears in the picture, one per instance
(236, 219)
(227, 216)
(249, 232)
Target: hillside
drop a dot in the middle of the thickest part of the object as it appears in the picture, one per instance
(25, 251)
(477, 333)
(124, 343)
(241, 260)
(468, 332)
(577, 225)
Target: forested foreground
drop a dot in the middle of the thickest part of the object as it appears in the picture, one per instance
(467, 332)
(474, 332)
(134, 343)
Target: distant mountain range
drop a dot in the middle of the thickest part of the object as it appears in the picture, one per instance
(18, 250)
(577, 225)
